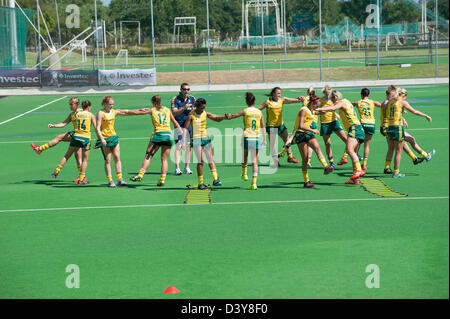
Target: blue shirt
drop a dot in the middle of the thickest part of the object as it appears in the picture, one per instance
(177, 102)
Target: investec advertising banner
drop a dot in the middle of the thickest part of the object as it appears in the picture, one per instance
(19, 78)
(128, 77)
(60, 78)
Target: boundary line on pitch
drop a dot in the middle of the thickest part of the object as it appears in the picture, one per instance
(221, 203)
(36, 108)
(226, 135)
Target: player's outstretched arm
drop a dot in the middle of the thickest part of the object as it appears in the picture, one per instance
(122, 112)
(59, 125)
(287, 100)
(235, 115)
(263, 106)
(139, 112)
(214, 117)
(415, 112)
(333, 107)
(172, 118)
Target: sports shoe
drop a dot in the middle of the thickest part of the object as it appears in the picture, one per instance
(160, 184)
(76, 180)
(387, 171)
(343, 161)
(54, 174)
(36, 148)
(187, 170)
(353, 182)
(430, 155)
(121, 182)
(358, 174)
(111, 184)
(253, 187)
(418, 160)
(178, 171)
(327, 170)
(364, 168)
(217, 182)
(83, 182)
(136, 178)
(308, 165)
(398, 175)
(308, 184)
(244, 177)
(292, 160)
(202, 186)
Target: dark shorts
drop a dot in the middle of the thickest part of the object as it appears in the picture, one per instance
(110, 142)
(396, 132)
(70, 133)
(302, 137)
(162, 139)
(369, 129)
(252, 143)
(329, 128)
(356, 131)
(383, 131)
(281, 129)
(203, 142)
(83, 142)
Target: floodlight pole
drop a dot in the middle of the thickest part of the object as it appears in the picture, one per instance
(284, 25)
(262, 39)
(378, 39)
(209, 53)
(436, 26)
(57, 20)
(39, 37)
(96, 41)
(320, 38)
(153, 35)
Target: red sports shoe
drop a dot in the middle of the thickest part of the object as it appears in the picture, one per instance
(54, 174)
(353, 182)
(76, 180)
(343, 161)
(328, 170)
(36, 148)
(309, 184)
(358, 174)
(292, 160)
(364, 168)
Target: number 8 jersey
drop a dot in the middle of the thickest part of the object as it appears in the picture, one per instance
(161, 119)
(252, 121)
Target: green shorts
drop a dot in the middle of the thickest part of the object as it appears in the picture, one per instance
(396, 132)
(302, 137)
(272, 129)
(110, 141)
(329, 128)
(162, 138)
(70, 133)
(83, 142)
(356, 131)
(252, 143)
(203, 142)
(369, 129)
(383, 131)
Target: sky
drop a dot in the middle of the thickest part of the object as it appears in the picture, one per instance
(106, 2)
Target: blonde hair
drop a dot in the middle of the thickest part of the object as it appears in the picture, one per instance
(311, 91)
(327, 91)
(106, 99)
(402, 92)
(336, 95)
(74, 100)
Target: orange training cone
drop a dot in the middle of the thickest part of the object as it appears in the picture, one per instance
(171, 290)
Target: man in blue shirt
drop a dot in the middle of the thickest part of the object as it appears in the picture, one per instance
(182, 105)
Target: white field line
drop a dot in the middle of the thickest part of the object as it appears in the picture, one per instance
(226, 135)
(314, 201)
(37, 108)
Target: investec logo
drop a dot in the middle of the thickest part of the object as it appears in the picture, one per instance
(137, 75)
(73, 76)
(19, 79)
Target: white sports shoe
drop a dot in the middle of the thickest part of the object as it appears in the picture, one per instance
(178, 171)
(187, 170)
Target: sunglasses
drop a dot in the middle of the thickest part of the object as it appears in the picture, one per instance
(184, 89)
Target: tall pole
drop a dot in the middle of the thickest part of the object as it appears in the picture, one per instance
(320, 37)
(153, 36)
(39, 35)
(207, 39)
(436, 26)
(378, 39)
(96, 40)
(57, 20)
(262, 39)
(284, 25)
